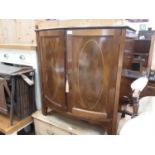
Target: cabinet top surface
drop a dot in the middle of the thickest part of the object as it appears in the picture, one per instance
(96, 27)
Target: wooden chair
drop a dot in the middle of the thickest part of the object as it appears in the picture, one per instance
(137, 87)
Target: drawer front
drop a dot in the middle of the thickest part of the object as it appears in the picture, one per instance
(42, 128)
(21, 57)
(6, 56)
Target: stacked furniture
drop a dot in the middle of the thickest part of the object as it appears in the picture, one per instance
(137, 63)
(17, 91)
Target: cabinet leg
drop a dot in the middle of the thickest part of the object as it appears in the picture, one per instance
(44, 110)
(111, 129)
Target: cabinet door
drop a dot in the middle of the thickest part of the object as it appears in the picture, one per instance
(51, 58)
(92, 72)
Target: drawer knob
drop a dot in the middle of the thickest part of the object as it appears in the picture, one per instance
(22, 57)
(6, 56)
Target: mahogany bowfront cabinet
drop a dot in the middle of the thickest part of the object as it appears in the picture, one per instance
(80, 71)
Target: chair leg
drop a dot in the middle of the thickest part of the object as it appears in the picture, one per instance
(135, 106)
(123, 114)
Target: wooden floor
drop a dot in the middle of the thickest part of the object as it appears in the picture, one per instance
(5, 127)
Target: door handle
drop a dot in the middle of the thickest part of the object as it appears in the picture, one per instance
(67, 86)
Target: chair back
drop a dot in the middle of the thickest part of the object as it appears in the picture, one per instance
(139, 84)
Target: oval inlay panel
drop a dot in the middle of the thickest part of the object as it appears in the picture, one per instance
(90, 76)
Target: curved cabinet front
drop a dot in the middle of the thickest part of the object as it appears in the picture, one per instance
(89, 60)
(80, 72)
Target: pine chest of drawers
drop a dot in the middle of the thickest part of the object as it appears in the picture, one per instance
(55, 124)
